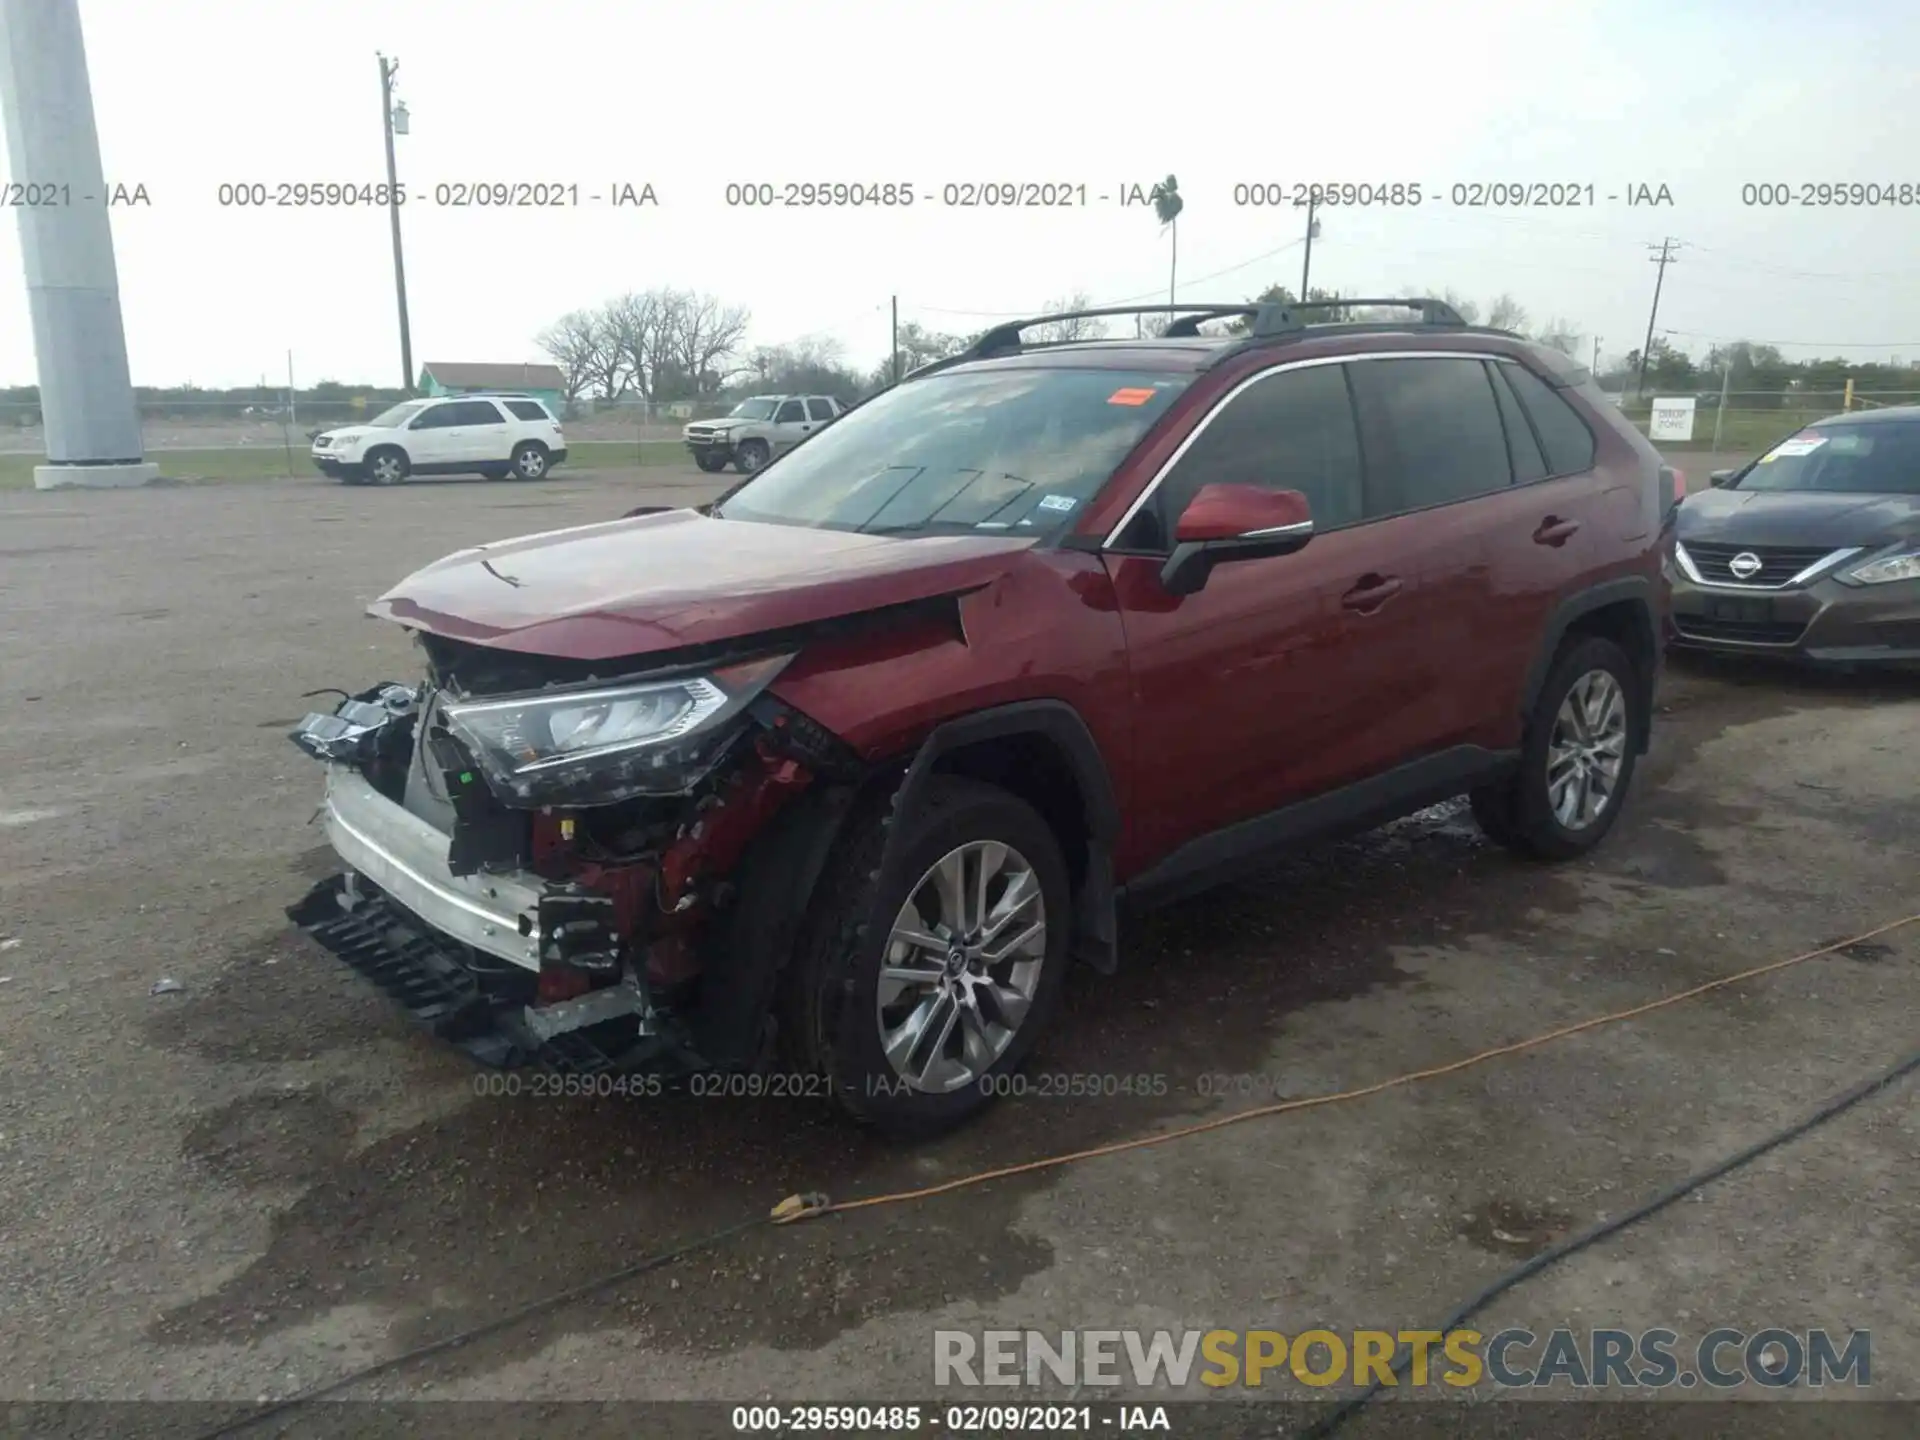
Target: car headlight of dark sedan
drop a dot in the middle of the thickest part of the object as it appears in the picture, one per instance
(1902, 563)
(603, 744)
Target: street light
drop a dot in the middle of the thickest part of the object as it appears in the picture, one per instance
(394, 121)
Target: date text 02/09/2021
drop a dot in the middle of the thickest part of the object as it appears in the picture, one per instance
(1462, 194)
(453, 194)
(948, 1419)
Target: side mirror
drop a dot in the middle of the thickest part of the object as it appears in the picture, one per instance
(1223, 523)
(1719, 478)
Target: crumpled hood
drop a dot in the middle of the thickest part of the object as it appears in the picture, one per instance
(661, 582)
(1797, 517)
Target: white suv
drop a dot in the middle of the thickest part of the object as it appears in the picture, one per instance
(491, 435)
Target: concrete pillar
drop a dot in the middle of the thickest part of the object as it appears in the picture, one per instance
(73, 292)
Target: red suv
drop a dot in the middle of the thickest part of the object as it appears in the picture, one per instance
(830, 780)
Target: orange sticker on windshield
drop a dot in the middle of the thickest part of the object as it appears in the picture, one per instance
(1130, 397)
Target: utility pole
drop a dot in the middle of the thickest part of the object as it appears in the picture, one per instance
(1726, 379)
(1306, 265)
(1665, 258)
(388, 69)
(896, 339)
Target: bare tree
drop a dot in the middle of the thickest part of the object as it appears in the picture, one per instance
(1085, 327)
(639, 330)
(573, 343)
(705, 334)
(610, 374)
(1559, 334)
(1507, 313)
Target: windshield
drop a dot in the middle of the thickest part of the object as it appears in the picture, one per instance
(1019, 450)
(1878, 458)
(753, 410)
(398, 415)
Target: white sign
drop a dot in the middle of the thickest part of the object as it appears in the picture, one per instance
(1672, 419)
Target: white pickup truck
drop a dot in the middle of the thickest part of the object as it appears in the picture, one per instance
(758, 429)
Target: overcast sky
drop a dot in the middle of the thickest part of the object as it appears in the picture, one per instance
(1702, 96)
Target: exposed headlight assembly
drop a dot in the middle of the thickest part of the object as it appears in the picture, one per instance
(602, 744)
(1900, 565)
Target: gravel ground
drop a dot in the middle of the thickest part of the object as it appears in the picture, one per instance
(262, 1178)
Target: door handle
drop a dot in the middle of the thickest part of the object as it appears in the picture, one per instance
(1555, 531)
(1371, 593)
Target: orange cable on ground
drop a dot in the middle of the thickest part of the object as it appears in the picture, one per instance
(803, 1207)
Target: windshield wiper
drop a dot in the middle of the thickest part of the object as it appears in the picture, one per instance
(932, 516)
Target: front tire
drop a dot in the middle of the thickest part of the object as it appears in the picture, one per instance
(530, 461)
(1577, 760)
(386, 466)
(751, 457)
(917, 993)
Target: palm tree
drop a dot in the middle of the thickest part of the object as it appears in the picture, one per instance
(1167, 204)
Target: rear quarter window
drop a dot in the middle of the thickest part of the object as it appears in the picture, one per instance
(1564, 436)
(528, 410)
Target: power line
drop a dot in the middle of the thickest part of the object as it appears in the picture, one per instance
(1727, 258)
(1804, 344)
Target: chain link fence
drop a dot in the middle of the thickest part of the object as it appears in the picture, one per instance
(1751, 420)
(271, 431)
(279, 421)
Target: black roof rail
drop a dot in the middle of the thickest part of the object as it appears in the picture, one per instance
(1277, 319)
(1267, 321)
(1004, 338)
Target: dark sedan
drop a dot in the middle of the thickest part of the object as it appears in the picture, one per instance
(1811, 551)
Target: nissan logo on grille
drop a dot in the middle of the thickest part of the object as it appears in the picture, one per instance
(1745, 565)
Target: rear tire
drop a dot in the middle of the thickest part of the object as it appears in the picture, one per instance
(386, 466)
(833, 1019)
(1577, 759)
(530, 461)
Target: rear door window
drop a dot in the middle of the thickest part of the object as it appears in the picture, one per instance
(1434, 426)
(820, 409)
(1529, 464)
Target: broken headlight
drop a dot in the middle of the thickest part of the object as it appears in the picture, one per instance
(602, 744)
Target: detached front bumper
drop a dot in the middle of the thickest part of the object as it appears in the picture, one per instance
(462, 954)
(1824, 623)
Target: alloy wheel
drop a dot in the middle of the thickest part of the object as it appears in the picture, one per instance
(533, 464)
(1587, 750)
(962, 966)
(386, 469)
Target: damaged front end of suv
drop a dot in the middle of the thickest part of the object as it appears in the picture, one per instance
(545, 856)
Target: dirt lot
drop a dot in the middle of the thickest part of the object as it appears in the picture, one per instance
(263, 1178)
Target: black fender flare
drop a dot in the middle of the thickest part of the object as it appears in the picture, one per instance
(1096, 926)
(773, 887)
(1636, 589)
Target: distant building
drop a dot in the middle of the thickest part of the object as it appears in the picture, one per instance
(544, 383)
